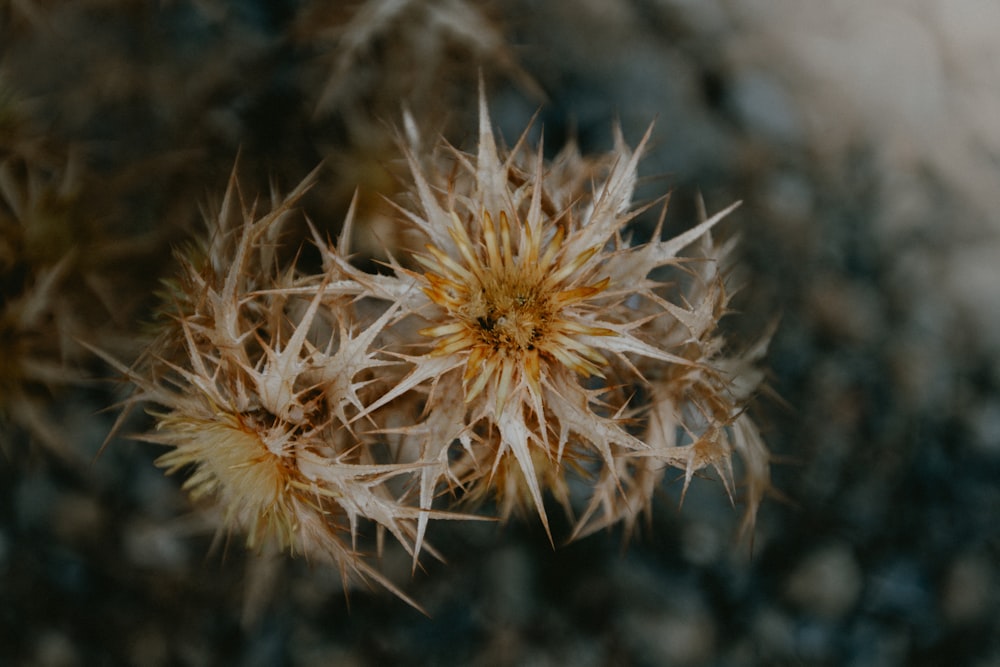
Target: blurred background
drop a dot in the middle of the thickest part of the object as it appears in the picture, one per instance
(864, 141)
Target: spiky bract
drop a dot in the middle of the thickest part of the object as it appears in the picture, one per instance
(552, 350)
(256, 383)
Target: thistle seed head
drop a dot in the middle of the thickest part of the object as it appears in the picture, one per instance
(542, 325)
(257, 376)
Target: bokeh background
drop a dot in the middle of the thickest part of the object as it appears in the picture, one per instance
(864, 141)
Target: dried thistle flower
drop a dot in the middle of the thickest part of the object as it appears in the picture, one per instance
(256, 385)
(542, 326)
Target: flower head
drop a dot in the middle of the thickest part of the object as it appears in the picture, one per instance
(256, 380)
(542, 325)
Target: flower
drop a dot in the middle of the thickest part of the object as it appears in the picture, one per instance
(255, 382)
(543, 326)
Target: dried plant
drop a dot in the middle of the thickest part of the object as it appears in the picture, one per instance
(256, 390)
(52, 254)
(361, 69)
(551, 351)
(369, 47)
(529, 347)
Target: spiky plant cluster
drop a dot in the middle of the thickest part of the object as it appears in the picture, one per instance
(527, 349)
(549, 350)
(257, 387)
(53, 260)
(31, 333)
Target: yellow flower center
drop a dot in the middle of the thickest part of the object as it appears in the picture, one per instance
(508, 314)
(509, 303)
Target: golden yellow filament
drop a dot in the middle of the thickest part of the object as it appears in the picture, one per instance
(233, 464)
(510, 305)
